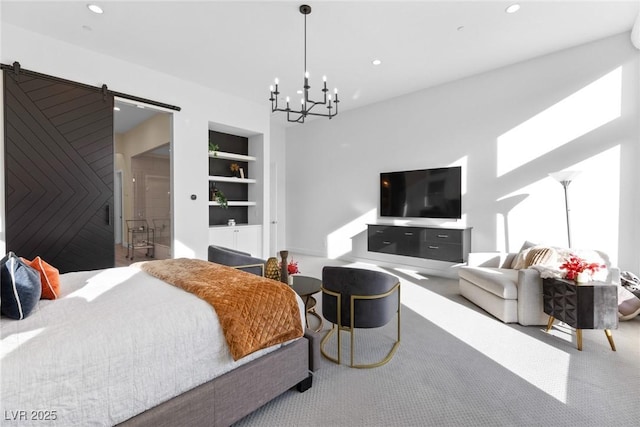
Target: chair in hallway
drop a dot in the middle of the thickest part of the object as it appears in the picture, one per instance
(354, 298)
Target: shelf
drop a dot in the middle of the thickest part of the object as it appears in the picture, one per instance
(234, 203)
(237, 180)
(234, 226)
(231, 156)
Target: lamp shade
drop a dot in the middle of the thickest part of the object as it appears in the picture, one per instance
(564, 176)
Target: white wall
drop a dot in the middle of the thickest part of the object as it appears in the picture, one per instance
(200, 106)
(508, 128)
(278, 172)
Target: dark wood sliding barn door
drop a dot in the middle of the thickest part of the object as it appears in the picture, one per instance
(59, 172)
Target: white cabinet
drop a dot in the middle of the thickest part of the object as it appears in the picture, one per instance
(245, 238)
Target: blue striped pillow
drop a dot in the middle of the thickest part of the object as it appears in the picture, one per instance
(20, 289)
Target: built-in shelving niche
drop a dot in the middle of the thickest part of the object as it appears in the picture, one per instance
(231, 149)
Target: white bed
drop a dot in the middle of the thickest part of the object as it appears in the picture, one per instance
(153, 342)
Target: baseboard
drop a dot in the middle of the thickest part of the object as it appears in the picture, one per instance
(308, 252)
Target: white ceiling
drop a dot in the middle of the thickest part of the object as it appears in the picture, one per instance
(239, 46)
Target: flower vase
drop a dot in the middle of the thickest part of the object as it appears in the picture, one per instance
(272, 270)
(284, 272)
(583, 277)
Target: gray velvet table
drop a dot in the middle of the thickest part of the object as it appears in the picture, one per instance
(591, 305)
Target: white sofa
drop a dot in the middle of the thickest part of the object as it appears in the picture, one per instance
(511, 295)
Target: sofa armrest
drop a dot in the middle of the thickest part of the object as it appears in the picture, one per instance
(489, 259)
(530, 301)
(614, 275)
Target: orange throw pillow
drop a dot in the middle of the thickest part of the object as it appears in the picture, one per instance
(49, 276)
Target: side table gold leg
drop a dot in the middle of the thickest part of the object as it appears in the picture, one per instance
(610, 338)
(317, 316)
(579, 335)
(550, 324)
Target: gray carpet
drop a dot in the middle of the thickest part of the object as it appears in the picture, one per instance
(459, 366)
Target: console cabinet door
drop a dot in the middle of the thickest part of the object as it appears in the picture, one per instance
(382, 239)
(443, 244)
(394, 240)
(59, 172)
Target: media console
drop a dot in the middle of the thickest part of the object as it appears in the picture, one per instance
(442, 244)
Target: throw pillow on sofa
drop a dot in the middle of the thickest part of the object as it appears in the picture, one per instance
(540, 255)
(518, 261)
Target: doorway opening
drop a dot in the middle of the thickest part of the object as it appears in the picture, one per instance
(143, 141)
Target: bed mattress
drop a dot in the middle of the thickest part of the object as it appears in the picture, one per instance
(116, 343)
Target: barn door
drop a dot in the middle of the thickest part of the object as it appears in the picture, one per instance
(59, 172)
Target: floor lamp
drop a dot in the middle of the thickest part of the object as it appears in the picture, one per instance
(565, 178)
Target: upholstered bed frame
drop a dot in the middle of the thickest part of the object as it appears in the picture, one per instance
(226, 399)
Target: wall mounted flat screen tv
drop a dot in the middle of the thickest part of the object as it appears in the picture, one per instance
(425, 193)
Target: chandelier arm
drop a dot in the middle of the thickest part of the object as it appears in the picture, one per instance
(311, 101)
(321, 114)
(300, 118)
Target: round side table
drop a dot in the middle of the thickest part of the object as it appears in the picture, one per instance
(306, 286)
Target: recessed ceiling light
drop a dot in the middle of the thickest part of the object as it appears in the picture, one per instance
(116, 108)
(95, 8)
(513, 8)
(376, 62)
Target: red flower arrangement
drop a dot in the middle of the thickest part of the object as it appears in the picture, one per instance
(292, 267)
(575, 265)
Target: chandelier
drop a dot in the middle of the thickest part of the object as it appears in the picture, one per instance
(306, 104)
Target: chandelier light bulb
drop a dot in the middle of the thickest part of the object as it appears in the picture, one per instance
(271, 88)
(276, 80)
(324, 78)
(329, 97)
(335, 90)
(306, 74)
(287, 99)
(302, 101)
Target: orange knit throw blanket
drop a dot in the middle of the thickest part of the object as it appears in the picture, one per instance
(254, 312)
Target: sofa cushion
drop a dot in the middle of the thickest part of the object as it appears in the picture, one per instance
(499, 281)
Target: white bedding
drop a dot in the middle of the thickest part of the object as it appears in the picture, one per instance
(117, 343)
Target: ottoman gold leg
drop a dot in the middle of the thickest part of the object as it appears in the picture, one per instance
(610, 338)
(579, 335)
(550, 324)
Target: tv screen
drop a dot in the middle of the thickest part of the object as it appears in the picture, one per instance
(425, 193)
